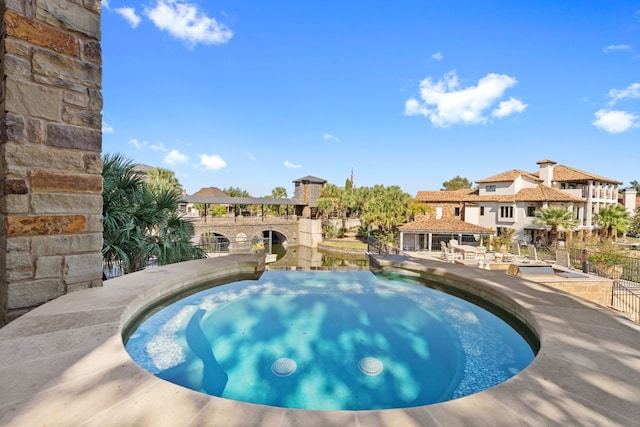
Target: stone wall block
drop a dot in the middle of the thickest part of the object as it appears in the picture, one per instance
(59, 182)
(49, 267)
(47, 203)
(92, 163)
(14, 186)
(15, 6)
(28, 99)
(18, 244)
(82, 268)
(13, 128)
(43, 157)
(96, 100)
(81, 117)
(61, 69)
(32, 293)
(16, 66)
(91, 51)
(45, 225)
(66, 244)
(68, 136)
(94, 223)
(35, 131)
(69, 16)
(19, 266)
(17, 48)
(79, 99)
(40, 34)
(16, 204)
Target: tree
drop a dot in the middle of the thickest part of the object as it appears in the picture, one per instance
(634, 225)
(161, 178)
(237, 192)
(418, 208)
(635, 184)
(613, 219)
(456, 183)
(328, 202)
(556, 217)
(139, 223)
(279, 193)
(387, 208)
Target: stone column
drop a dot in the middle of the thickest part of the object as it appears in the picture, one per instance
(50, 147)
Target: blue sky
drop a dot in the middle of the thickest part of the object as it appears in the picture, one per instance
(255, 94)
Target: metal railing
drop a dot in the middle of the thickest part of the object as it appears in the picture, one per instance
(625, 297)
(625, 293)
(379, 247)
(212, 247)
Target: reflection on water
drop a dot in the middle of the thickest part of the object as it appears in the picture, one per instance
(311, 258)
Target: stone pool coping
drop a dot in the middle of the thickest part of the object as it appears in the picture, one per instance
(64, 363)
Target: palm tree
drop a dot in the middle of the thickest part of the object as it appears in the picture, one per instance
(613, 219)
(387, 208)
(139, 223)
(556, 217)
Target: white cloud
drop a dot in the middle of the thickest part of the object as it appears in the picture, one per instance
(288, 164)
(250, 155)
(616, 47)
(158, 147)
(139, 145)
(213, 162)
(186, 22)
(631, 91)
(329, 137)
(506, 108)
(174, 157)
(129, 14)
(107, 128)
(445, 103)
(437, 56)
(614, 121)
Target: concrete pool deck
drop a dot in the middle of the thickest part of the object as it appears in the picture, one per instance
(64, 363)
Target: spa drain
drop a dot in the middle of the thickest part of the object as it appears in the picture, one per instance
(370, 365)
(283, 367)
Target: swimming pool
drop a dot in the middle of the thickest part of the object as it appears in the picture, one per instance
(329, 341)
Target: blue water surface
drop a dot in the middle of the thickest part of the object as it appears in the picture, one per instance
(329, 340)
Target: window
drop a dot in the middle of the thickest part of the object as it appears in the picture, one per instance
(481, 210)
(490, 188)
(456, 211)
(506, 211)
(531, 211)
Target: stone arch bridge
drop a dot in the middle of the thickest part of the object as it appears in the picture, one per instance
(280, 228)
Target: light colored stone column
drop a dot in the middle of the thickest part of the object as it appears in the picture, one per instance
(50, 147)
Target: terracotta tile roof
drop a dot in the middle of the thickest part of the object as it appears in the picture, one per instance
(540, 193)
(456, 225)
(210, 192)
(444, 196)
(509, 176)
(565, 173)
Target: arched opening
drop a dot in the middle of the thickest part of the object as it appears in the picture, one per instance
(275, 242)
(214, 243)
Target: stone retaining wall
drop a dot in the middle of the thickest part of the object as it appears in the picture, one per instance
(50, 151)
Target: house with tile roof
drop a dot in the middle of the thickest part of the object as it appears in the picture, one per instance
(511, 199)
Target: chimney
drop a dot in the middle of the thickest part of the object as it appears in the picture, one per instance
(546, 171)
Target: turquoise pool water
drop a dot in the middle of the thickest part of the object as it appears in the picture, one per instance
(340, 340)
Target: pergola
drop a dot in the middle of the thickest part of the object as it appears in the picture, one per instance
(239, 201)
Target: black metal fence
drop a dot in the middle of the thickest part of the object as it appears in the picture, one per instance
(625, 297)
(381, 248)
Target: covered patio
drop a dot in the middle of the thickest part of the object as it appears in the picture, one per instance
(425, 234)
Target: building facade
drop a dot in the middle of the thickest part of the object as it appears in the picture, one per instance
(511, 199)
